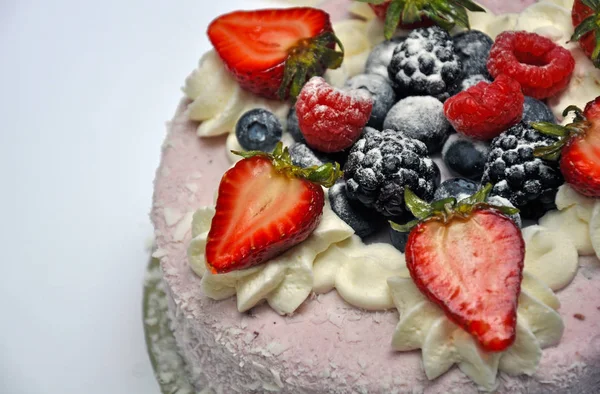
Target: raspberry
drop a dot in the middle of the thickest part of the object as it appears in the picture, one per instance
(541, 67)
(487, 109)
(330, 119)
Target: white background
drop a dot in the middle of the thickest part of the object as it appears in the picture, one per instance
(85, 90)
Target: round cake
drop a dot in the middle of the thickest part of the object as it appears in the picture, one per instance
(337, 313)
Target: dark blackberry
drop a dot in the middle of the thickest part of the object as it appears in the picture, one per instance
(421, 118)
(473, 49)
(363, 221)
(528, 182)
(381, 164)
(292, 126)
(380, 57)
(425, 64)
(536, 111)
(380, 90)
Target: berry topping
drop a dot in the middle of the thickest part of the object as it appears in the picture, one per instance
(330, 119)
(486, 109)
(258, 129)
(425, 64)
(265, 206)
(363, 221)
(421, 118)
(530, 183)
(473, 48)
(541, 67)
(467, 257)
(381, 164)
(585, 20)
(578, 146)
(535, 110)
(468, 82)
(272, 52)
(292, 125)
(381, 92)
(412, 14)
(380, 57)
(303, 156)
(465, 156)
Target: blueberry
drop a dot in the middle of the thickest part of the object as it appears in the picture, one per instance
(258, 129)
(303, 156)
(421, 118)
(399, 239)
(465, 156)
(292, 125)
(468, 82)
(380, 57)
(364, 221)
(473, 49)
(458, 188)
(380, 90)
(536, 111)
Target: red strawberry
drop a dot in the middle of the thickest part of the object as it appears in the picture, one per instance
(584, 15)
(487, 109)
(578, 147)
(330, 119)
(272, 52)
(467, 258)
(541, 67)
(412, 14)
(264, 207)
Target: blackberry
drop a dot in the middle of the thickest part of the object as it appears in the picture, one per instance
(528, 182)
(425, 64)
(382, 164)
(473, 49)
(380, 90)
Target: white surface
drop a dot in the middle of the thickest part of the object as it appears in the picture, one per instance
(85, 89)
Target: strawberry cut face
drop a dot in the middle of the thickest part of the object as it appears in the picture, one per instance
(471, 268)
(580, 162)
(260, 213)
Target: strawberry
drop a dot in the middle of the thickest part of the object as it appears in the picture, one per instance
(272, 52)
(330, 119)
(412, 14)
(265, 206)
(578, 148)
(584, 15)
(467, 258)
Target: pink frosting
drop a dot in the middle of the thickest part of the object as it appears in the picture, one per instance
(327, 345)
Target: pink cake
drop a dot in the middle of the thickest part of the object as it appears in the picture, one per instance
(326, 345)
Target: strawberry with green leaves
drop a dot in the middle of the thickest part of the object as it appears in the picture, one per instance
(412, 14)
(586, 20)
(265, 206)
(578, 148)
(272, 52)
(467, 257)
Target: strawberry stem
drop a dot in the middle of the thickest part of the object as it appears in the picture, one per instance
(448, 208)
(309, 57)
(325, 175)
(563, 133)
(591, 25)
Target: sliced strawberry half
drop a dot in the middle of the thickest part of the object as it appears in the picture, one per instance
(467, 257)
(272, 52)
(264, 207)
(578, 148)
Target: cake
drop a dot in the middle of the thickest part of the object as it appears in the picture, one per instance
(336, 315)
